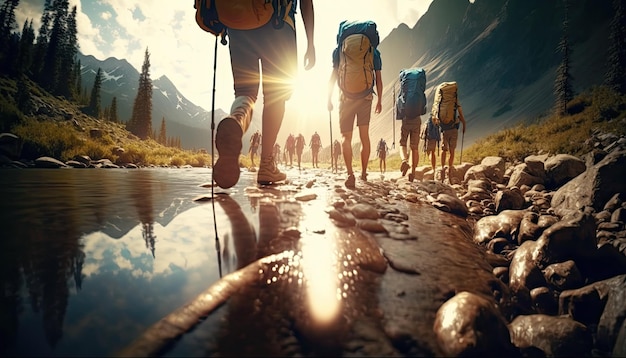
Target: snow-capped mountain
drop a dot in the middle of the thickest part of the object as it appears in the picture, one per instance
(183, 119)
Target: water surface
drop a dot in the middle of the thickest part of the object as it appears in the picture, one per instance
(90, 258)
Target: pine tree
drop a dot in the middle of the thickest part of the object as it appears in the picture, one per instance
(162, 138)
(563, 84)
(51, 71)
(8, 42)
(94, 100)
(25, 54)
(66, 85)
(113, 115)
(615, 77)
(41, 44)
(140, 122)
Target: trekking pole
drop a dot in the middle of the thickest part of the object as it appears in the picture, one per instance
(462, 140)
(217, 240)
(393, 118)
(332, 144)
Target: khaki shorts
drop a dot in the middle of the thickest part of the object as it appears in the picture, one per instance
(350, 108)
(448, 139)
(411, 128)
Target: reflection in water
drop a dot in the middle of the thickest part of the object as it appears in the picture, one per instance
(142, 199)
(71, 274)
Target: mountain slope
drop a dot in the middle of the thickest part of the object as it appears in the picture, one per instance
(502, 54)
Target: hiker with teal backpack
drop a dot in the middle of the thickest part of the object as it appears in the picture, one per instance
(356, 70)
(257, 31)
(447, 113)
(410, 105)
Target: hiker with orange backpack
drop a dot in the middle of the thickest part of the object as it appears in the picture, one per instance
(356, 70)
(265, 31)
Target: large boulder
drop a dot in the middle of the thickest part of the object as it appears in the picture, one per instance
(595, 187)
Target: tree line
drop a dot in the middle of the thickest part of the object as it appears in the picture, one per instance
(49, 59)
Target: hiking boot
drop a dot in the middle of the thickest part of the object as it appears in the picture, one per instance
(404, 167)
(269, 173)
(228, 145)
(351, 182)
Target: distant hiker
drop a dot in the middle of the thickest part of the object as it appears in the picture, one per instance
(316, 145)
(290, 147)
(300, 143)
(267, 35)
(410, 105)
(336, 153)
(277, 154)
(431, 137)
(444, 113)
(255, 141)
(382, 150)
(356, 69)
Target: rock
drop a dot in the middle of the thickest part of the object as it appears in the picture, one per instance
(470, 325)
(558, 337)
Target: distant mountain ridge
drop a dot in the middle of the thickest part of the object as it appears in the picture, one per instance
(183, 118)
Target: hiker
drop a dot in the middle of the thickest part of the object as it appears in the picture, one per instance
(410, 105)
(381, 151)
(277, 154)
(447, 113)
(356, 80)
(290, 147)
(275, 47)
(316, 145)
(431, 137)
(336, 153)
(255, 140)
(300, 143)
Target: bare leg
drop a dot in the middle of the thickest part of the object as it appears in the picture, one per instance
(346, 145)
(273, 112)
(365, 148)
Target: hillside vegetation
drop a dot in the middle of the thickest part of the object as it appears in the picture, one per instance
(60, 129)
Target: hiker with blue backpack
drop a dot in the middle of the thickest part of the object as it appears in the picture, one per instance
(410, 105)
(356, 70)
(447, 113)
(258, 30)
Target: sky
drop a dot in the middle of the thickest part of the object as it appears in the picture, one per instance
(185, 53)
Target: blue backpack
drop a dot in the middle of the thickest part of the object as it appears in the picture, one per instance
(217, 16)
(367, 28)
(411, 99)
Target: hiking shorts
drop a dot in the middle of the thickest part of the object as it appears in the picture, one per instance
(448, 139)
(430, 145)
(349, 108)
(278, 54)
(411, 128)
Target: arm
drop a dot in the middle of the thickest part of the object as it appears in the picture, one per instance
(379, 91)
(308, 19)
(331, 87)
(461, 117)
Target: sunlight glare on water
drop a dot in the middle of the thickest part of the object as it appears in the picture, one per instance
(320, 271)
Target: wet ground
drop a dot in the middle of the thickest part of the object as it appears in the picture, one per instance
(331, 271)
